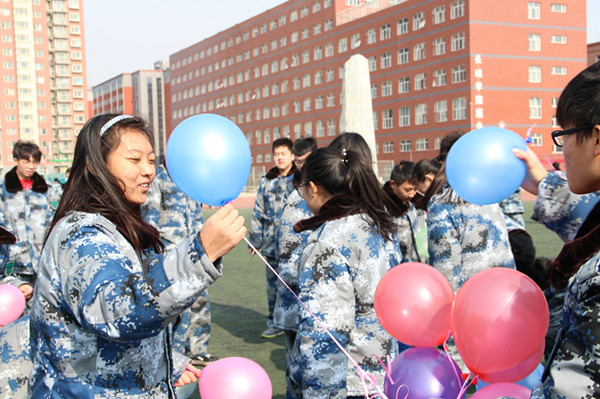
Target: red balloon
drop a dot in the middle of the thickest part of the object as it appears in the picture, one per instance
(519, 371)
(499, 318)
(413, 302)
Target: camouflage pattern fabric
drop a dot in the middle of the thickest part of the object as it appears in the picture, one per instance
(339, 272)
(15, 353)
(513, 210)
(100, 315)
(410, 226)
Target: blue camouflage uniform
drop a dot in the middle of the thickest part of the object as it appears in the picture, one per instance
(339, 272)
(15, 354)
(513, 210)
(99, 323)
(411, 225)
(289, 248)
(176, 216)
(465, 238)
(26, 214)
(270, 200)
(573, 369)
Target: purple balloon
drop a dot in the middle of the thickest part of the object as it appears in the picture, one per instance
(423, 373)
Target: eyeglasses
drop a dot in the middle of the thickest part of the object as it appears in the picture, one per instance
(558, 135)
(300, 189)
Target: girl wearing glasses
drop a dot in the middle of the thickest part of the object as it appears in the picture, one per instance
(351, 246)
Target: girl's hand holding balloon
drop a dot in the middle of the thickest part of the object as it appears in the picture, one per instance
(190, 375)
(221, 232)
(27, 290)
(535, 170)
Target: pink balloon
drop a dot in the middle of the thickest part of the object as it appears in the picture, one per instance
(501, 389)
(12, 303)
(519, 371)
(235, 378)
(499, 318)
(413, 302)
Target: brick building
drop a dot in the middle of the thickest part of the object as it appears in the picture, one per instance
(43, 85)
(435, 66)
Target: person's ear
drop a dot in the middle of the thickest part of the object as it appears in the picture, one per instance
(596, 140)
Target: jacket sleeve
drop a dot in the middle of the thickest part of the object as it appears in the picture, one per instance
(327, 290)
(108, 292)
(559, 209)
(259, 213)
(444, 245)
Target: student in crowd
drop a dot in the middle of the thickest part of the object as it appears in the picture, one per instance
(176, 217)
(106, 293)
(424, 172)
(289, 248)
(27, 205)
(573, 368)
(273, 190)
(411, 224)
(338, 277)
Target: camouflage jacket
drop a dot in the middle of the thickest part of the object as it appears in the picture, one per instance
(559, 209)
(411, 226)
(289, 248)
(513, 210)
(465, 238)
(270, 199)
(339, 272)
(100, 315)
(27, 215)
(15, 352)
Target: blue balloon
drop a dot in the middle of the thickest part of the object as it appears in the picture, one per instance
(531, 381)
(208, 158)
(481, 167)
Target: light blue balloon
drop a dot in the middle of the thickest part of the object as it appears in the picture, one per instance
(531, 381)
(481, 167)
(208, 158)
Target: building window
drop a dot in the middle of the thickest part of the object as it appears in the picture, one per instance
(419, 52)
(304, 33)
(458, 41)
(457, 9)
(535, 74)
(405, 146)
(386, 89)
(385, 32)
(439, 46)
(404, 116)
(533, 10)
(559, 70)
(420, 114)
(441, 111)
(355, 40)
(330, 127)
(388, 147)
(371, 36)
(536, 139)
(459, 74)
(387, 115)
(535, 42)
(320, 128)
(331, 100)
(403, 56)
(328, 25)
(422, 144)
(373, 63)
(558, 8)
(535, 108)
(352, 2)
(402, 26)
(439, 78)
(420, 81)
(404, 85)
(439, 14)
(316, 29)
(559, 39)
(373, 90)
(329, 50)
(386, 60)
(459, 108)
(342, 45)
(318, 53)
(329, 74)
(318, 102)
(418, 21)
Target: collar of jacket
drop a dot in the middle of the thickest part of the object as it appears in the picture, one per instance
(578, 251)
(274, 172)
(13, 184)
(336, 207)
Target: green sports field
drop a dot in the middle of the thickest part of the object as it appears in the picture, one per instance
(239, 307)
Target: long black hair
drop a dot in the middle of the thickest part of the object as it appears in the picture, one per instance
(345, 173)
(92, 188)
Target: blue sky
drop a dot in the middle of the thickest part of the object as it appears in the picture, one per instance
(128, 35)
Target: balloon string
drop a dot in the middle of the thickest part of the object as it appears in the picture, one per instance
(361, 372)
(450, 360)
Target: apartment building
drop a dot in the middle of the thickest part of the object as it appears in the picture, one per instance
(435, 66)
(42, 88)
